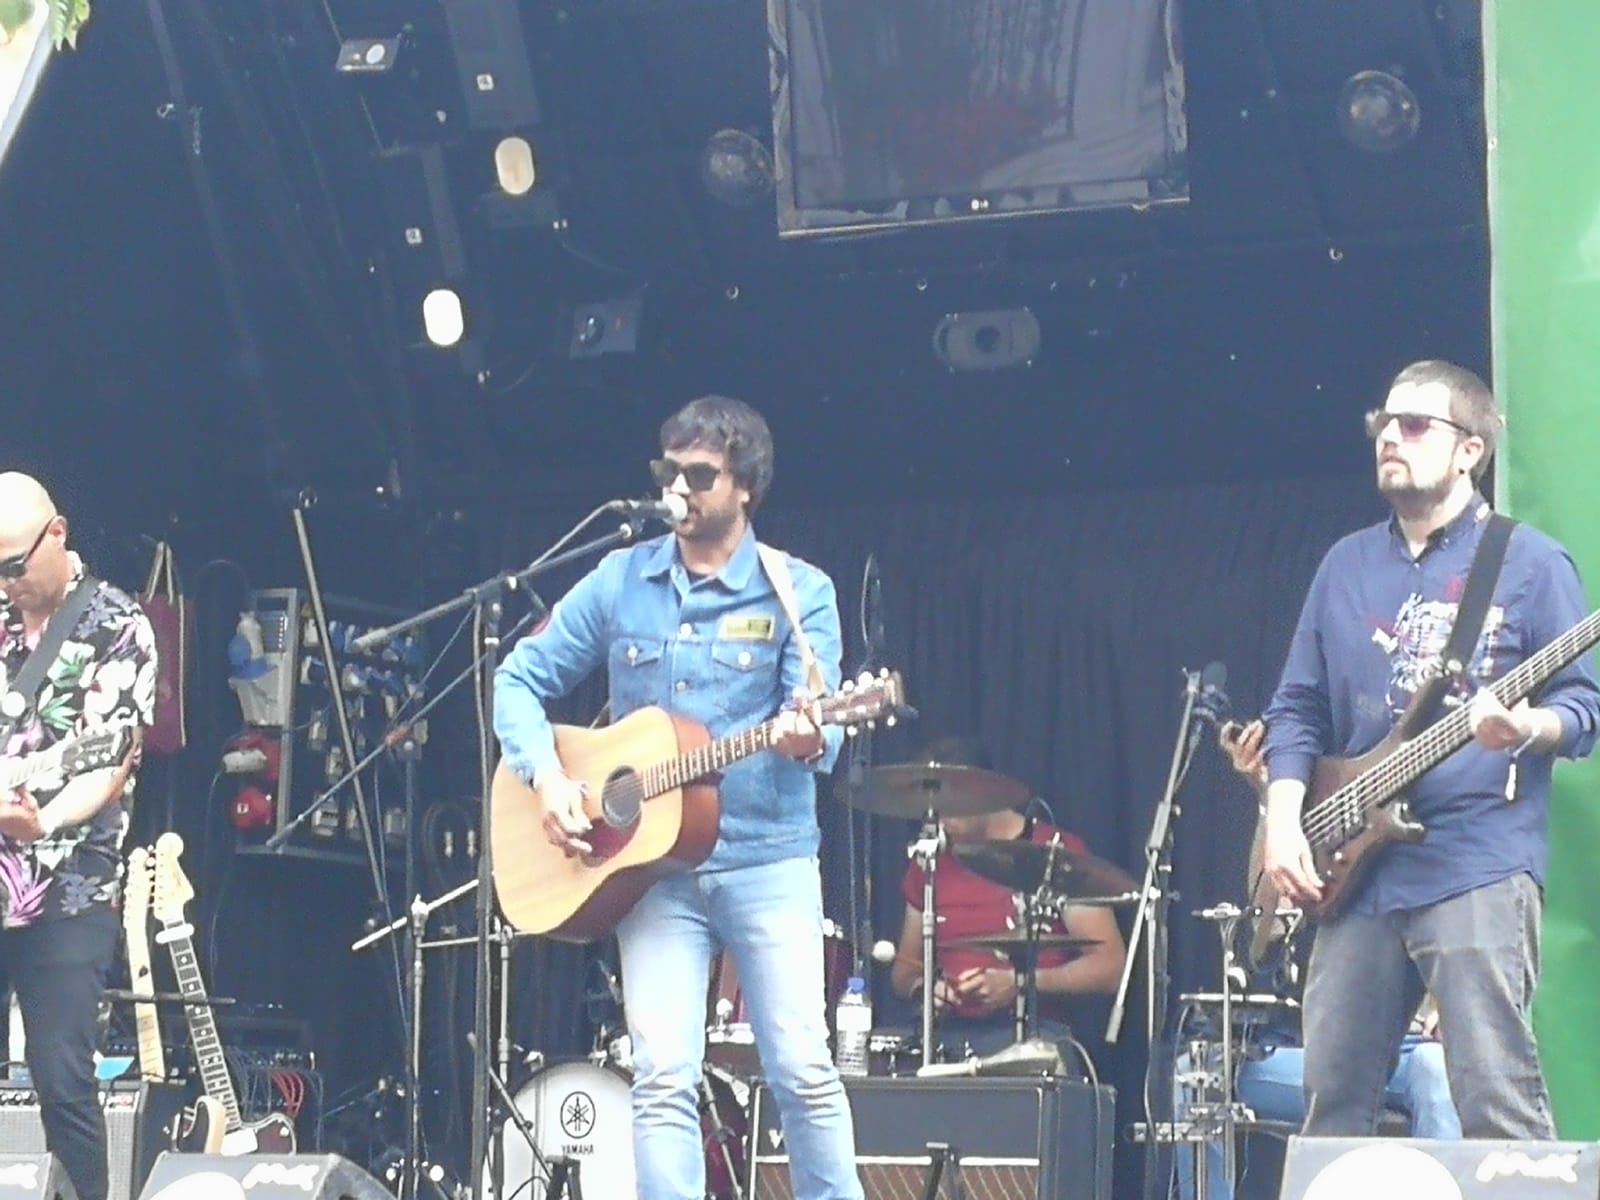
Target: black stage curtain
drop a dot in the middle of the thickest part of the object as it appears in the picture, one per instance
(1057, 629)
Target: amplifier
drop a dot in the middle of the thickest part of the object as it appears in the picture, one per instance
(139, 1119)
(1007, 1139)
(1414, 1169)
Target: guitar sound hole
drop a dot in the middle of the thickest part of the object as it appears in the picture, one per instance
(621, 798)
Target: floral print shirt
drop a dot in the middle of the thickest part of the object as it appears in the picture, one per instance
(104, 677)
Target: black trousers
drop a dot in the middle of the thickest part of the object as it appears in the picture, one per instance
(58, 970)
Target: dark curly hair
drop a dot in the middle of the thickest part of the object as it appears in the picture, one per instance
(733, 429)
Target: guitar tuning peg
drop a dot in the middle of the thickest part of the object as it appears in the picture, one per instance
(849, 731)
(890, 721)
(866, 678)
(849, 685)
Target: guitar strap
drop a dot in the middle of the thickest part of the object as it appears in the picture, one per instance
(24, 689)
(776, 565)
(1473, 609)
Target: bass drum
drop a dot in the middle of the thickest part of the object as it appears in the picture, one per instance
(583, 1110)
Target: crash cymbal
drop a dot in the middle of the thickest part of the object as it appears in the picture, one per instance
(1016, 939)
(1026, 866)
(915, 789)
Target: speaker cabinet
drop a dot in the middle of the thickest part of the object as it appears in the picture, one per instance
(260, 1177)
(139, 1119)
(1414, 1169)
(1014, 1139)
(34, 1177)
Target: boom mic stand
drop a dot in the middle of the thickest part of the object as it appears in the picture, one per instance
(487, 599)
(1155, 901)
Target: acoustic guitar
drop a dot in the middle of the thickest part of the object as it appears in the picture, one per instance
(652, 799)
(212, 1124)
(1356, 806)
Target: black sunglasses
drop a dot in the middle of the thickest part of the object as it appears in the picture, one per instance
(1412, 425)
(701, 477)
(16, 566)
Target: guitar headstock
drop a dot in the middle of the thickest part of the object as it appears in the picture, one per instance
(138, 886)
(172, 887)
(101, 748)
(864, 701)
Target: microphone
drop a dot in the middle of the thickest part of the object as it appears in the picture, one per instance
(1212, 704)
(670, 508)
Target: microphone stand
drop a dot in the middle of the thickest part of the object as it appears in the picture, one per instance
(1155, 901)
(487, 600)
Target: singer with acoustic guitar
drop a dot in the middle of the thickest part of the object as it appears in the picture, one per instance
(1427, 749)
(702, 628)
(67, 766)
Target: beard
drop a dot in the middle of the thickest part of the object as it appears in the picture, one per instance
(711, 526)
(1410, 496)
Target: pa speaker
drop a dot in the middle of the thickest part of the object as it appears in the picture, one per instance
(1414, 1169)
(1000, 1139)
(34, 1177)
(139, 1119)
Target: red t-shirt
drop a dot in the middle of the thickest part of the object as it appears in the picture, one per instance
(972, 905)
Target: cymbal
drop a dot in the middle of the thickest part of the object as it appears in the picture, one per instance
(1026, 866)
(915, 789)
(1017, 939)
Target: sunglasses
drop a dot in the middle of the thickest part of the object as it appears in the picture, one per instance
(701, 477)
(16, 566)
(1412, 425)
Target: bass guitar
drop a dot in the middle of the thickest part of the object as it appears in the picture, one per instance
(213, 1124)
(652, 799)
(1357, 806)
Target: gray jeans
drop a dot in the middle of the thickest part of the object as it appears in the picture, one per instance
(1478, 954)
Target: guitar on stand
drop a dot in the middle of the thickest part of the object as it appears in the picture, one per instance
(213, 1124)
(137, 891)
(650, 779)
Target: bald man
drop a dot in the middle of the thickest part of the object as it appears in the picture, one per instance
(61, 838)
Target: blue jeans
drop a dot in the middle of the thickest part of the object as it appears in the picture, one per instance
(1273, 1087)
(1478, 955)
(770, 919)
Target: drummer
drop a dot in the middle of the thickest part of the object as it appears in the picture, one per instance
(975, 989)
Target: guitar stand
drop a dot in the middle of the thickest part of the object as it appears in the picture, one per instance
(941, 1155)
(561, 1171)
(564, 1176)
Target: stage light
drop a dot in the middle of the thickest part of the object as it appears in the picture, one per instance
(735, 167)
(1377, 112)
(514, 166)
(442, 317)
(367, 56)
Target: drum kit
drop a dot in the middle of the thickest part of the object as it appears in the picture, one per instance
(582, 1107)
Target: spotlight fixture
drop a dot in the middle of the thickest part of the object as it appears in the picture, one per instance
(367, 56)
(515, 166)
(735, 167)
(442, 317)
(1377, 112)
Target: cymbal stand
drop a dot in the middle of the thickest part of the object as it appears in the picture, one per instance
(925, 852)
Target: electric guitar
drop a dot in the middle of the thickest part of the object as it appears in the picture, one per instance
(652, 799)
(1356, 806)
(212, 1125)
(136, 894)
(74, 756)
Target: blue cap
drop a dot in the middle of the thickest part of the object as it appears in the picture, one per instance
(855, 984)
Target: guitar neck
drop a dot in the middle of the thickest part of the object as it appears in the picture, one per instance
(1419, 755)
(152, 1057)
(712, 757)
(202, 1024)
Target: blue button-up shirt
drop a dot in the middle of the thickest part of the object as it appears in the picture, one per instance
(718, 649)
(1375, 622)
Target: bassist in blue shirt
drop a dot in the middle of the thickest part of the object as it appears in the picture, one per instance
(1457, 912)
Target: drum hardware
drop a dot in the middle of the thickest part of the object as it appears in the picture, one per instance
(1073, 877)
(913, 790)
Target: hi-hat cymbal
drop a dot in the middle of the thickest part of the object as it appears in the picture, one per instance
(1026, 866)
(1017, 939)
(915, 789)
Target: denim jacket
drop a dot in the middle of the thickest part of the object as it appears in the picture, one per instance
(718, 649)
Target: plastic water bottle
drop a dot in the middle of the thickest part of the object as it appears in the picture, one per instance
(852, 1029)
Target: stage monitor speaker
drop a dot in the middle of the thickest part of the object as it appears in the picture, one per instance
(260, 1177)
(139, 1119)
(1415, 1169)
(1015, 1139)
(34, 1177)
